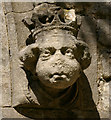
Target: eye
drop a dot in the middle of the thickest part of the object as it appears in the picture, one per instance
(69, 52)
(46, 53)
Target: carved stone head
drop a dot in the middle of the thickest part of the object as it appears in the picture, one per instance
(57, 66)
(53, 61)
(55, 58)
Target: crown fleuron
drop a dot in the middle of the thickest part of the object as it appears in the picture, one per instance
(49, 16)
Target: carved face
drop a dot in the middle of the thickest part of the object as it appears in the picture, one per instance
(57, 66)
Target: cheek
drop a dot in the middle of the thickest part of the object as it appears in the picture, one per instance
(73, 68)
(42, 70)
(76, 71)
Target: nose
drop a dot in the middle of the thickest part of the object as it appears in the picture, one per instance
(58, 53)
(58, 58)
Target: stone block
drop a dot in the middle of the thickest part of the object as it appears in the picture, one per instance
(7, 7)
(6, 81)
(16, 72)
(20, 7)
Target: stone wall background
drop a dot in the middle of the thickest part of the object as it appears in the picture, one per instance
(95, 20)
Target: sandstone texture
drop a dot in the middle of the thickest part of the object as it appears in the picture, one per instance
(22, 58)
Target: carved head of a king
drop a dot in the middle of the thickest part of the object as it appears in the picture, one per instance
(57, 58)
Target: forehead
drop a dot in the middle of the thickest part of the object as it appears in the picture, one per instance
(57, 40)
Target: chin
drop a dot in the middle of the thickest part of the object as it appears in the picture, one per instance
(59, 84)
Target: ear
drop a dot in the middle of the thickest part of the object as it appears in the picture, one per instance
(29, 56)
(82, 54)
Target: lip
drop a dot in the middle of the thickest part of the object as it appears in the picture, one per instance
(58, 77)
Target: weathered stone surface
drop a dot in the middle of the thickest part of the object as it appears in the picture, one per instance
(7, 7)
(20, 7)
(54, 62)
(22, 31)
(14, 36)
(104, 32)
(105, 58)
(6, 81)
(16, 73)
(103, 81)
(101, 10)
(104, 102)
(11, 113)
(109, 100)
(87, 33)
(1, 14)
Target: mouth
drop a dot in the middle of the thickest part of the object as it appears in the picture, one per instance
(58, 77)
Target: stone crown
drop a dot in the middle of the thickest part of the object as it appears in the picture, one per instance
(48, 17)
